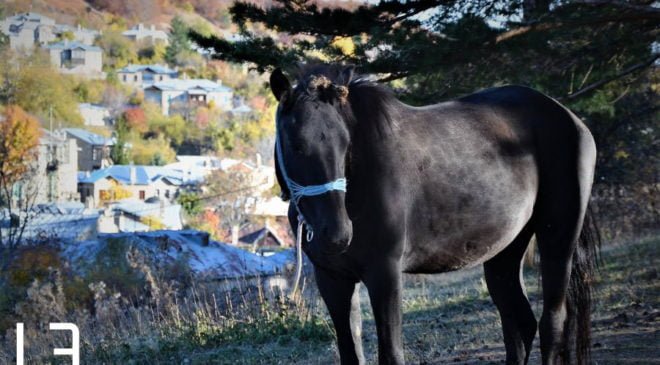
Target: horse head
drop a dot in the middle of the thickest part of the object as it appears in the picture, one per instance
(313, 140)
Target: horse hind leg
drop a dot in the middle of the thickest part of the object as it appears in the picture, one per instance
(559, 215)
(507, 289)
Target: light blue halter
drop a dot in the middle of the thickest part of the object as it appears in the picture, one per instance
(298, 191)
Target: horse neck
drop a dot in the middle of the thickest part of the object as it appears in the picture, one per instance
(376, 154)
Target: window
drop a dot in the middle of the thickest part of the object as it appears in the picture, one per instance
(142, 194)
(124, 77)
(95, 154)
(135, 77)
(167, 193)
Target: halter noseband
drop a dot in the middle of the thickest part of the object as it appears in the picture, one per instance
(298, 191)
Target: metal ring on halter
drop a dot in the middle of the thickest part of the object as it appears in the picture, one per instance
(310, 233)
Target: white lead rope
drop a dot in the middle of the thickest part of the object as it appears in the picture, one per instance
(296, 279)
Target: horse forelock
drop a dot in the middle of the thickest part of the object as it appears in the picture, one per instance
(364, 105)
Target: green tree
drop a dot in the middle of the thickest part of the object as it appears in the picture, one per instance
(190, 202)
(30, 82)
(594, 56)
(179, 44)
(119, 151)
(118, 51)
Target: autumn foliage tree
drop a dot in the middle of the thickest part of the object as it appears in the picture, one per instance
(136, 120)
(19, 138)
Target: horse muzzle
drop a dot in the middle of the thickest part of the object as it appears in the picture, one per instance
(334, 240)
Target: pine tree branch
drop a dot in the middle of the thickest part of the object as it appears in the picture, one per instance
(263, 52)
(304, 18)
(575, 24)
(627, 71)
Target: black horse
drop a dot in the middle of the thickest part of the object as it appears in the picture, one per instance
(434, 189)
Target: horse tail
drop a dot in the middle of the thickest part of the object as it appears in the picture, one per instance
(577, 330)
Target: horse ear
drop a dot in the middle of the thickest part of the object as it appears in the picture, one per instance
(347, 74)
(279, 84)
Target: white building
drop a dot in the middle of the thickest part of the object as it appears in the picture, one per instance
(94, 115)
(140, 182)
(179, 96)
(194, 169)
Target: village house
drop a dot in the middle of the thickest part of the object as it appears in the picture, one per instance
(94, 115)
(128, 181)
(77, 58)
(140, 33)
(80, 34)
(133, 215)
(179, 96)
(93, 149)
(25, 30)
(56, 168)
(145, 75)
(194, 169)
(53, 175)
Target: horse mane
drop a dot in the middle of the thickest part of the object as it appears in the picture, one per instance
(367, 105)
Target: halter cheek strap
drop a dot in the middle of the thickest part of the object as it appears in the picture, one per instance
(298, 191)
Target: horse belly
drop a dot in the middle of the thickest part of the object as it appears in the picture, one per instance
(466, 229)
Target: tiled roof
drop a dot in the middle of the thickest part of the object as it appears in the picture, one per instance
(89, 137)
(191, 84)
(159, 69)
(144, 175)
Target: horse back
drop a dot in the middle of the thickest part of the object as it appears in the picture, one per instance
(473, 172)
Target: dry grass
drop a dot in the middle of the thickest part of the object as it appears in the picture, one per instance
(448, 318)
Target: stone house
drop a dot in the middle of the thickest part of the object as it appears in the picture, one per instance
(56, 168)
(53, 174)
(144, 75)
(25, 30)
(140, 33)
(180, 96)
(93, 149)
(77, 58)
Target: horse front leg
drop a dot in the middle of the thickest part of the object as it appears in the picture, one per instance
(384, 285)
(342, 297)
